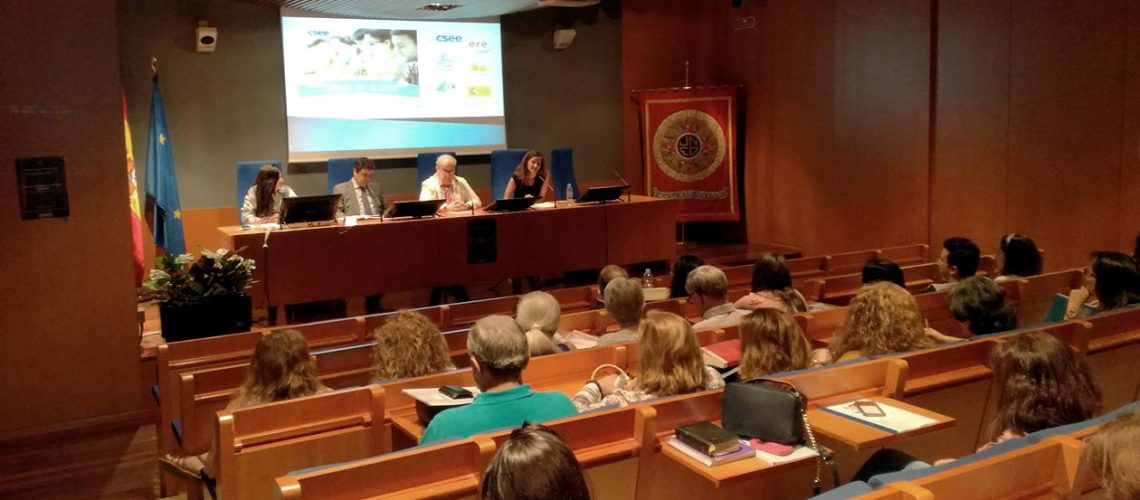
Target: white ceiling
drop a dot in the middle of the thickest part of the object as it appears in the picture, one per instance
(410, 9)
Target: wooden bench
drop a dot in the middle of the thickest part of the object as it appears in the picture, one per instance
(849, 262)
(1047, 469)
(257, 444)
(906, 255)
(1036, 293)
(1113, 351)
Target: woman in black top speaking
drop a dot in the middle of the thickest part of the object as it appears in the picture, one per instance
(530, 179)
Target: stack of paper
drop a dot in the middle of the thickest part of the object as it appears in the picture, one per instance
(895, 421)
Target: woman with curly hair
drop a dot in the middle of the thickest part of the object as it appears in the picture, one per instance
(1111, 454)
(771, 342)
(281, 369)
(409, 345)
(883, 318)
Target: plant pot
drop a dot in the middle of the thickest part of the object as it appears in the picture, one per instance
(217, 315)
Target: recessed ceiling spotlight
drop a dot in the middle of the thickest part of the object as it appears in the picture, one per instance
(439, 7)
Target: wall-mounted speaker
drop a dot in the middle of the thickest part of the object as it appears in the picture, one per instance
(207, 38)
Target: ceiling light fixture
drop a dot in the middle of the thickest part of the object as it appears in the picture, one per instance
(439, 7)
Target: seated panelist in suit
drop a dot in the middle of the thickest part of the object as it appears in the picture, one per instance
(445, 185)
(359, 195)
(262, 203)
(530, 179)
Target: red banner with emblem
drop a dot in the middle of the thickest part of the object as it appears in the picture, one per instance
(689, 150)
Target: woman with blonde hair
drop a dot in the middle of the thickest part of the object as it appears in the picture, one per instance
(1111, 454)
(670, 363)
(281, 369)
(883, 318)
(409, 345)
(771, 342)
(538, 314)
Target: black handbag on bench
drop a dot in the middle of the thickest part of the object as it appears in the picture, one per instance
(774, 411)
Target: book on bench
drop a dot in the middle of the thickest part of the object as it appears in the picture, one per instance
(708, 438)
(722, 355)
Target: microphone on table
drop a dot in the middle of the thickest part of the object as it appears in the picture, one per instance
(628, 194)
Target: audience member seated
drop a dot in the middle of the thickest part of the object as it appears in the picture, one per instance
(883, 318)
(1112, 457)
(538, 314)
(772, 287)
(534, 464)
(625, 302)
(959, 260)
(981, 303)
(605, 276)
(681, 269)
(1041, 384)
(498, 354)
(876, 270)
(409, 345)
(262, 203)
(708, 291)
(771, 342)
(1114, 283)
(670, 363)
(1017, 257)
(281, 369)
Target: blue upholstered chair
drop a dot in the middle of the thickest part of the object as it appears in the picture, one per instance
(503, 164)
(340, 170)
(562, 172)
(425, 165)
(247, 174)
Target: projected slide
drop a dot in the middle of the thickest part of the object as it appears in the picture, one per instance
(385, 89)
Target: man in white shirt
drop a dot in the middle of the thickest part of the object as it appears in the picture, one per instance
(445, 185)
(708, 290)
(359, 195)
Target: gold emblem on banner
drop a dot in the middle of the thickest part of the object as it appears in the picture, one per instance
(689, 145)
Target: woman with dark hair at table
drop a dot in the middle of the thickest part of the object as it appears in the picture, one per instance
(530, 179)
(1017, 257)
(262, 203)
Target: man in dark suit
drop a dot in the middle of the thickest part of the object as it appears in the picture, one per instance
(359, 195)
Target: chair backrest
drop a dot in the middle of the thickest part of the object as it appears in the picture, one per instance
(839, 290)
(819, 327)
(452, 469)
(425, 165)
(562, 172)
(1045, 470)
(880, 377)
(247, 174)
(935, 309)
(808, 267)
(503, 164)
(465, 314)
(1036, 293)
(907, 254)
(920, 276)
(339, 170)
(850, 262)
(1114, 346)
(255, 445)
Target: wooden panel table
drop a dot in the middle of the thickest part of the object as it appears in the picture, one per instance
(321, 263)
(861, 437)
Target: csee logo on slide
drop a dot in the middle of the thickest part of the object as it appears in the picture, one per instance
(448, 38)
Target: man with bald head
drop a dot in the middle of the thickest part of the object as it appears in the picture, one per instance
(498, 352)
(445, 185)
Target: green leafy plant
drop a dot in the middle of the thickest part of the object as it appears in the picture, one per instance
(179, 279)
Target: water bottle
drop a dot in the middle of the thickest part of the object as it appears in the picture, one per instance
(569, 193)
(647, 279)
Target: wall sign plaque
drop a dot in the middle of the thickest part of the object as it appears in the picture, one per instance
(43, 187)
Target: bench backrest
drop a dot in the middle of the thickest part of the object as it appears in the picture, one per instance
(1036, 293)
(256, 445)
(1114, 347)
(907, 254)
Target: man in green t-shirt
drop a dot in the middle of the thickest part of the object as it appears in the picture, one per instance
(499, 352)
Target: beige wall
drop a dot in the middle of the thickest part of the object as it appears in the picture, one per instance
(68, 340)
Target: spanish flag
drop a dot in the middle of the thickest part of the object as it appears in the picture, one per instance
(133, 194)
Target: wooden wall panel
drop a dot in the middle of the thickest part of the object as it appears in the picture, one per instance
(1067, 90)
(971, 123)
(68, 339)
(1129, 215)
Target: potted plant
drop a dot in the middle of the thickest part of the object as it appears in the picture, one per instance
(203, 297)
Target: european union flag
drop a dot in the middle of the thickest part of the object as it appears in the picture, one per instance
(161, 184)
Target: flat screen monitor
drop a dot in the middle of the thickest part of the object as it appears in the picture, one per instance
(415, 209)
(603, 193)
(303, 209)
(511, 204)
